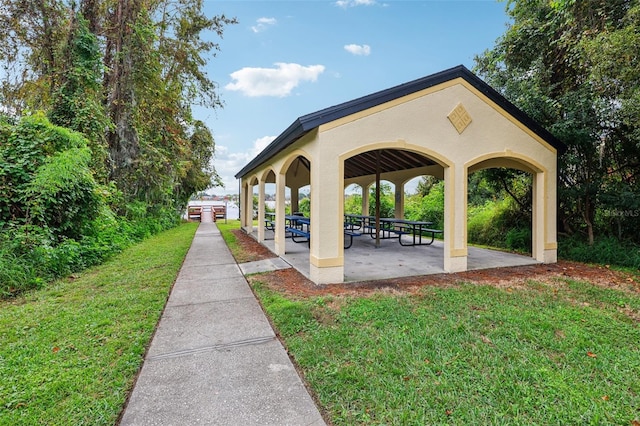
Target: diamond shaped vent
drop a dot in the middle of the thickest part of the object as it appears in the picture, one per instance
(460, 118)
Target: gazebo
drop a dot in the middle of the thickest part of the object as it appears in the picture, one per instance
(448, 125)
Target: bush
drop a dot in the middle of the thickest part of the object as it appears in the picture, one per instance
(54, 218)
(605, 251)
(498, 224)
(30, 256)
(62, 195)
(429, 208)
(519, 239)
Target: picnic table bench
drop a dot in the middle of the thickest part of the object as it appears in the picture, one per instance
(269, 221)
(417, 232)
(350, 233)
(298, 226)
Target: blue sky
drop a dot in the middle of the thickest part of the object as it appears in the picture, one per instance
(285, 59)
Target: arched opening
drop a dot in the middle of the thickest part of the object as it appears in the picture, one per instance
(298, 178)
(393, 165)
(499, 211)
(503, 201)
(380, 175)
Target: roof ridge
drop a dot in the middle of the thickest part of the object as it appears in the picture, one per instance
(308, 122)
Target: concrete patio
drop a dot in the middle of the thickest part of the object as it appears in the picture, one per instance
(365, 262)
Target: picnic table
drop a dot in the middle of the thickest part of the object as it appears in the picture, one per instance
(298, 227)
(270, 221)
(390, 228)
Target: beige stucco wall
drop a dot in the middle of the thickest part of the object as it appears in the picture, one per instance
(419, 123)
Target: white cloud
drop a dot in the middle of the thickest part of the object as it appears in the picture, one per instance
(260, 144)
(263, 23)
(228, 163)
(353, 3)
(357, 49)
(279, 81)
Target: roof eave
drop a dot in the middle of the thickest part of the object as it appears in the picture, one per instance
(305, 123)
(294, 132)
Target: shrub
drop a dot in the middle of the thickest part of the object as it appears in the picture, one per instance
(498, 224)
(605, 250)
(63, 195)
(30, 256)
(429, 208)
(54, 218)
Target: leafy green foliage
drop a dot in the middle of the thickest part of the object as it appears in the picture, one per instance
(62, 195)
(429, 208)
(24, 148)
(353, 204)
(56, 219)
(155, 56)
(604, 251)
(126, 81)
(130, 153)
(77, 102)
(304, 206)
(573, 66)
(499, 224)
(387, 203)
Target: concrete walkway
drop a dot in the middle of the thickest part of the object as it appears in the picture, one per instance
(215, 359)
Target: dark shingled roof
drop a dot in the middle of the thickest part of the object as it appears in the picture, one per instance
(306, 123)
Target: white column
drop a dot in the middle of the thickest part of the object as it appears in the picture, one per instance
(455, 219)
(544, 233)
(399, 200)
(326, 252)
(261, 210)
(248, 210)
(279, 238)
(242, 200)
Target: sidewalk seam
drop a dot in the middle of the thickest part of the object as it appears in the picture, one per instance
(239, 343)
(170, 305)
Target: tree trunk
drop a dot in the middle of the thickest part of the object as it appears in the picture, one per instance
(587, 215)
(123, 140)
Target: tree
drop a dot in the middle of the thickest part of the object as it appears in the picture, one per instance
(198, 174)
(78, 102)
(156, 73)
(125, 73)
(543, 63)
(387, 201)
(29, 49)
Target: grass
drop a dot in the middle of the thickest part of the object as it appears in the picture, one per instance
(240, 255)
(564, 352)
(230, 239)
(69, 353)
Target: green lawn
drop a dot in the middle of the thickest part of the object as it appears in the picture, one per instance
(563, 352)
(69, 353)
(557, 354)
